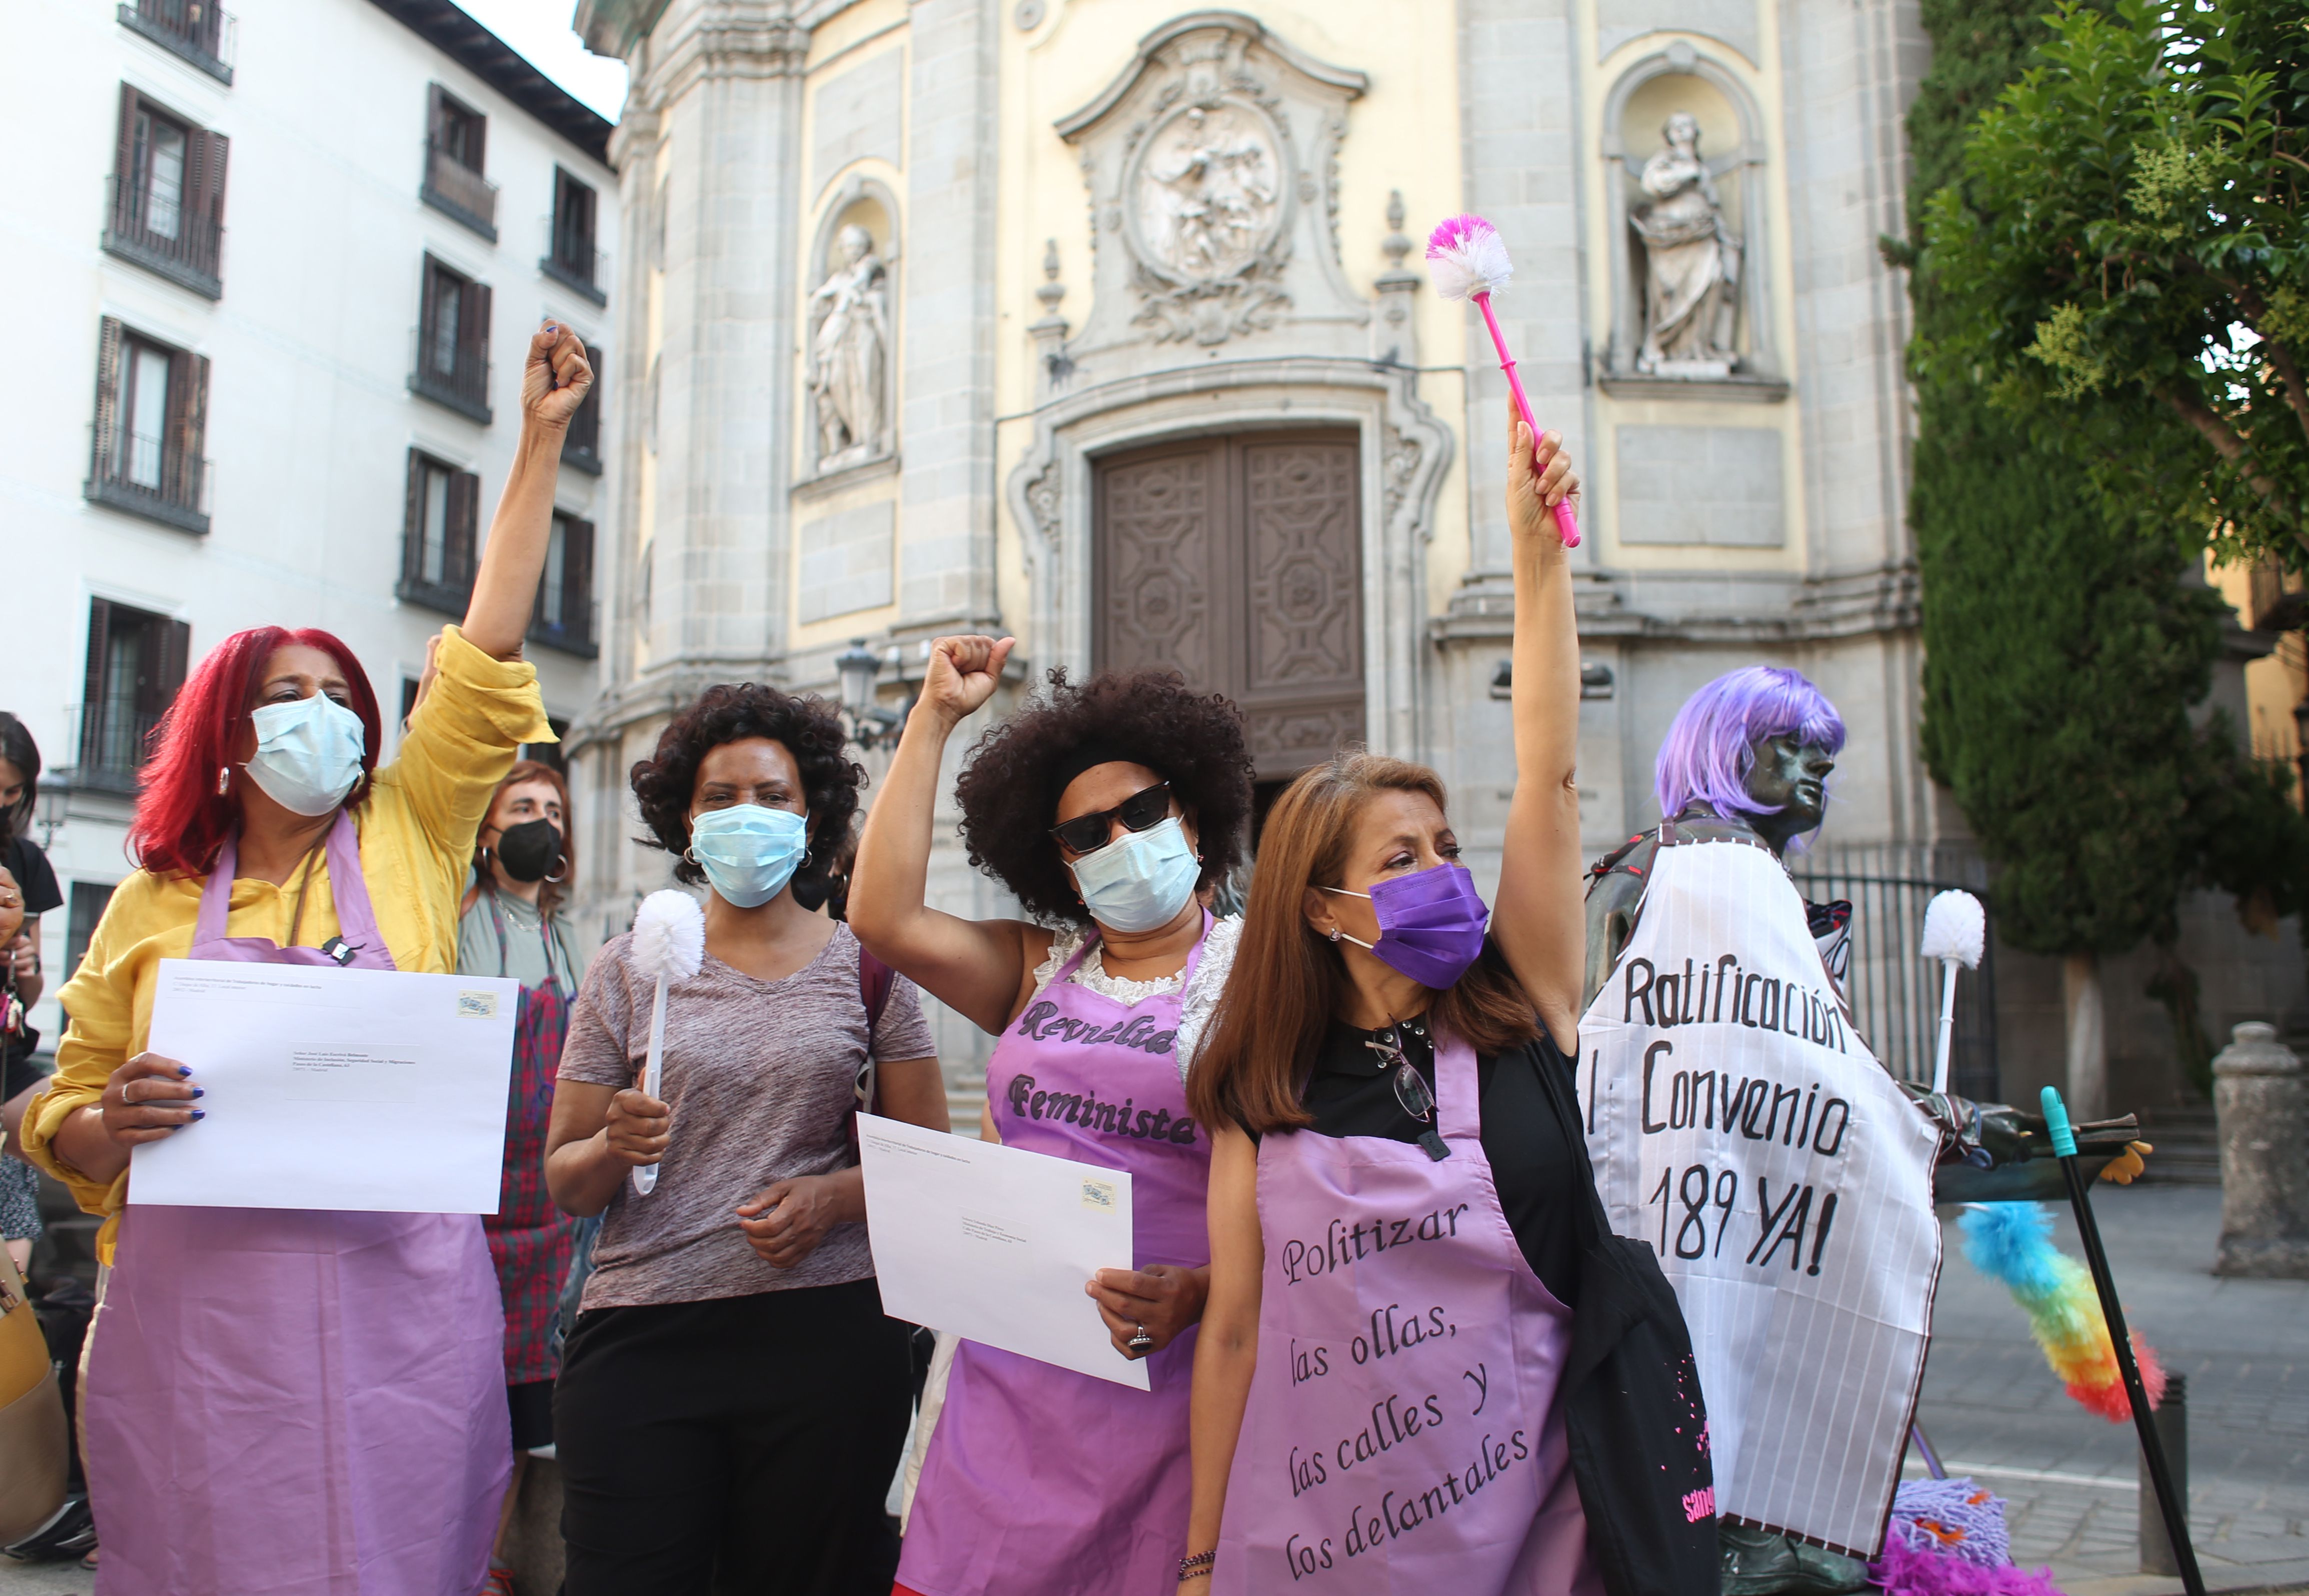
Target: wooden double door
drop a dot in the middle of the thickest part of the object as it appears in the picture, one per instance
(1237, 562)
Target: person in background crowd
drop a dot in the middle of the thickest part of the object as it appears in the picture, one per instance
(307, 1403)
(35, 886)
(732, 1398)
(1110, 810)
(1406, 1240)
(514, 926)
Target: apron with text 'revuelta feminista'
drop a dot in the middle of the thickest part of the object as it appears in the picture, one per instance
(1040, 1481)
(1402, 1435)
(285, 1402)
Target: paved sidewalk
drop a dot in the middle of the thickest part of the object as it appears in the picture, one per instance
(1993, 1409)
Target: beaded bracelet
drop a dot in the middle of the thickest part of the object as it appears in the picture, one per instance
(1196, 1566)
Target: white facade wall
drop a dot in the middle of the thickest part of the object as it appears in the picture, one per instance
(310, 418)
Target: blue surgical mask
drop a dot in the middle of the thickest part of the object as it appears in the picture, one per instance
(1140, 881)
(308, 752)
(748, 853)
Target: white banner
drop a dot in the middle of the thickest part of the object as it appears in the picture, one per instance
(1739, 1127)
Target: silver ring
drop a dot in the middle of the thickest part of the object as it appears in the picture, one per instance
(1141, 1343)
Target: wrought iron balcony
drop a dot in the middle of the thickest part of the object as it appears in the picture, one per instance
(458, 192)
(145, 477)
(456, 377)
(584, 271)
(166, 237)
(196, 29)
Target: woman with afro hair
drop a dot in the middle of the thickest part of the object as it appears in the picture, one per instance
(1111, 810)
(733, 1401)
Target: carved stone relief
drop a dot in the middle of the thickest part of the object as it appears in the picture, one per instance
(1211, 169)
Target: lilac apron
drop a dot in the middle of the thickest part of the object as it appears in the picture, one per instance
(283, 1402)
(1040, 1481)
(1402, 1437)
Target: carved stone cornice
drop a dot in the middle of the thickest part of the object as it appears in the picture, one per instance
(723, 38)
(635, 135)
(614, 27)
(1810, 609)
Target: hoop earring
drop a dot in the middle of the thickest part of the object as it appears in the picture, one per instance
(690, 853)
(807, 855)
(224, 780)
(557, 880)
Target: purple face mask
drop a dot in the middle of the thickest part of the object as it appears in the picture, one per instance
(1431, 923)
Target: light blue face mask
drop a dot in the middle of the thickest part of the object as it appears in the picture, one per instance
(1141, 881)
(308, 752)
(748, 853)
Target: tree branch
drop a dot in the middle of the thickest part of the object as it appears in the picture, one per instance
(2228, 442)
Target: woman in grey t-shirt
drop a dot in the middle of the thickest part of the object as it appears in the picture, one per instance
(733, 1401)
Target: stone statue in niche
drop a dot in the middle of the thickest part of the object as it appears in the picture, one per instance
(850, 350)
(1692, 261)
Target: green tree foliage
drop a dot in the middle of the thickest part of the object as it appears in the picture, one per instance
(2064, 644)
(2127, 250)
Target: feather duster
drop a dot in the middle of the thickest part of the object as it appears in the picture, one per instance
(669, 946)
(2012, 1243)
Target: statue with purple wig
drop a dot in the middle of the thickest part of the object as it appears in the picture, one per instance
(1747, 759)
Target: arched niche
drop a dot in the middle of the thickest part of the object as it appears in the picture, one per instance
(1679, 78)
(850, 377)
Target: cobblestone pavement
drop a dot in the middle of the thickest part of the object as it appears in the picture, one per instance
(1993, 1408)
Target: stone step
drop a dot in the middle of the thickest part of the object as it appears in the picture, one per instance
(2187, 1138)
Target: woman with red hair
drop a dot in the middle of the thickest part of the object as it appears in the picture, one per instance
(308, 1403)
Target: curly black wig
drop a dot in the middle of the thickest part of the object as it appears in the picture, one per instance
(1009, 790)
(811, 732)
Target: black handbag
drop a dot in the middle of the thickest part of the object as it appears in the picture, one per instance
(1632, 1407)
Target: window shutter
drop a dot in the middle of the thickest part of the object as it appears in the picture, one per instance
(428, 316)
(458, 563)
(188, 408)
(473, 339)
(577, 579)
(412, 523)
(176, 657)
(92, 697)
(101, 463)
(477, 141)
(436, 118)
(206, 207)
(124, 203)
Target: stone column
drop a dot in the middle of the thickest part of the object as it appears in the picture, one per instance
(2263, 1099)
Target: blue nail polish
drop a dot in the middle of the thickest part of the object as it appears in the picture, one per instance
(200, 1113)
(184, 1069)
(200, 1091)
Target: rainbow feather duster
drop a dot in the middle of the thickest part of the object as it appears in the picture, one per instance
(2012, 1242)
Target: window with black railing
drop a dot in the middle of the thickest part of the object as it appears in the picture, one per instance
(151, 424)
(167, 210)
(135, 664)
(570, 257)
(581, 445)
(456, 143)
(196, 29)
(440, 539)
(451, 366)
(564, 616)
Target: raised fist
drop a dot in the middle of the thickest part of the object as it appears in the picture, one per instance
(962, 674)
(555, 379)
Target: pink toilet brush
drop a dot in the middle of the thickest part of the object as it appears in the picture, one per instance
(1467, 261)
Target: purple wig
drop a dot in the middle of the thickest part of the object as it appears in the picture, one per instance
(1711, 745)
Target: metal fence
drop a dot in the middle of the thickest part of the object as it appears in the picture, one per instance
(1894, 992)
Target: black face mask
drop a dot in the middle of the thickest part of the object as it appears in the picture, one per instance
(529, 851)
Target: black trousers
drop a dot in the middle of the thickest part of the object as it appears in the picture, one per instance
(741, 1446)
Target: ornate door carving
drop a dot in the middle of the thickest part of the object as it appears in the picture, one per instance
(1237, 562)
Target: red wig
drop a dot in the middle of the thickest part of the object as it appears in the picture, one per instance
(181, 819)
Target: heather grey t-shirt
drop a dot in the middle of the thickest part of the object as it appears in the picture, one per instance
(761, 1076)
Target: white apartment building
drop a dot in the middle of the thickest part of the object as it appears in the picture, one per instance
(275, 276)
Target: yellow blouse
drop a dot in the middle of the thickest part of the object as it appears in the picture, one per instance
(416, 830)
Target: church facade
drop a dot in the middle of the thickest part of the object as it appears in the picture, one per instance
(1105, 322)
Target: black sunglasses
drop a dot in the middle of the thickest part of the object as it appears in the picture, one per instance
(1142, 810)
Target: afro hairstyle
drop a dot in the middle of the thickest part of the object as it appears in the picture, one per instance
(811, 732)
(1009, 789)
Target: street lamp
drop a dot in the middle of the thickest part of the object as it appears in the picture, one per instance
(870, 725)
(55, 797)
